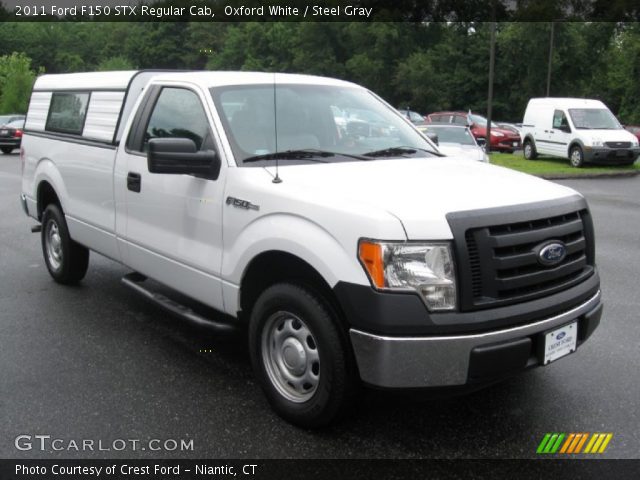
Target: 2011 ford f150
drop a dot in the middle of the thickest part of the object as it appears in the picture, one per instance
(311, 210)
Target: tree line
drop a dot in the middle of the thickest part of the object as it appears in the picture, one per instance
(428, 66)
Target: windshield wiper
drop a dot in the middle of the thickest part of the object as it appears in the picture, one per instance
(394, 151)
(309, 154)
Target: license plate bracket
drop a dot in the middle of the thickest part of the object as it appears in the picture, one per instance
(559, 342)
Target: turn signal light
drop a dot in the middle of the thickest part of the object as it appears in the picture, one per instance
(370, 255)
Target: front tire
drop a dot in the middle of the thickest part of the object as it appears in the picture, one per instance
(66, 260)
(7, 150)
(300, 355)
(529, 151)
(576, 157)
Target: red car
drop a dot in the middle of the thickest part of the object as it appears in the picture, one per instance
(635, 129)
(501, 139)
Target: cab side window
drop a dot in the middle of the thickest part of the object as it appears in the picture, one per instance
(560, 119)
(178, 113)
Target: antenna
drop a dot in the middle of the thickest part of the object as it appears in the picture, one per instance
(277, 178)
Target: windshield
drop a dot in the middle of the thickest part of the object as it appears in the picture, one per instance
(593, 118)
(480, 120)
(461, 136)
(339, 123)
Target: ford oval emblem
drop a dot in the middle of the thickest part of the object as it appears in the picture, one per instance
(561, 335)
(551, 253)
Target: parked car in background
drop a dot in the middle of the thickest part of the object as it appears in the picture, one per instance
(11, 117)
(455, 141)
(635, 129)
(582, 130)
(513, 127)
(11, 135)
(413, 117)
(501, 140)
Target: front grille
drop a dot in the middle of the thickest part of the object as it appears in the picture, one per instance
(618, 144)
(498, 263)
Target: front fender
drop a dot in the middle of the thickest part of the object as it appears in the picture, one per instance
(297, 236)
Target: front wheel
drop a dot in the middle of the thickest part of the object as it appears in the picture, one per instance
(529, 151)
(300, 355)
(66, 260)
(576, 157)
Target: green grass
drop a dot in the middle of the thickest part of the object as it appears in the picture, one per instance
(554, 166)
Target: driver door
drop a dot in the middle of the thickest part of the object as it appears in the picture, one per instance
(173, 230)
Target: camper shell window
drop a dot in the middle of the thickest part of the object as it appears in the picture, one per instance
(67, 112)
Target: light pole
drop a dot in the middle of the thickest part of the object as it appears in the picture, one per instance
(550, 57)
(492, 56)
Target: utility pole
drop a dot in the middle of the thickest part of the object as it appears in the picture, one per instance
(550, 57)
(492, 55)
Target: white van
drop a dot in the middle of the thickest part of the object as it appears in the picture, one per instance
(354, 255)
(584, 131)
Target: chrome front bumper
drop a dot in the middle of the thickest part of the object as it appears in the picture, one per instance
(415, 362)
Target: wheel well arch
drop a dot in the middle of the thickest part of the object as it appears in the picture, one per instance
(572, 144)
(271, 267)
(46, 195)
(529, 138)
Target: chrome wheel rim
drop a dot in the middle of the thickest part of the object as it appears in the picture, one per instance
(527, 151)
(290, 356)
(576, 157)
(53, 244)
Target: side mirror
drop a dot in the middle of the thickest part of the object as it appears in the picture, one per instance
(481, 141)
(565, 128)
(433, 137)
(179, 156)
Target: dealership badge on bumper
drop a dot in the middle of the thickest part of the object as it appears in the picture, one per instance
(560, 342)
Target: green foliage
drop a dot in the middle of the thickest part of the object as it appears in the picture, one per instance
(427, 65)
(16, 81)
(114, 64)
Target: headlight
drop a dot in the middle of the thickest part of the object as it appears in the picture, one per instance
(596, 142)
(497, 134)
(426, 268)
(634, 143)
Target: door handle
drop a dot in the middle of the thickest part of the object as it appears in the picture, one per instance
(546, 131)
(552, 131)
(134, 181)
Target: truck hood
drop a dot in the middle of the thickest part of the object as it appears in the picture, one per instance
(418, 191)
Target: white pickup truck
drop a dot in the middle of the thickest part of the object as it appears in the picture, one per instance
(353, 250)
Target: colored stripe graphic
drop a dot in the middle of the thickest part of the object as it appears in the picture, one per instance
(573, 443)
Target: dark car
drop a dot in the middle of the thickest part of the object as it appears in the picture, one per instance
(501, 139)
(11, 135)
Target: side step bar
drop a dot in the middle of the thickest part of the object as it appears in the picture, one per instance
(135, 280)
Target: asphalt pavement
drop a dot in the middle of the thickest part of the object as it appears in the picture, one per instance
(96, 362)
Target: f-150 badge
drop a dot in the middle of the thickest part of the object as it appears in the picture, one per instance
(236, 202)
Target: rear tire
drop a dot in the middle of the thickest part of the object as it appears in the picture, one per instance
(66, 260)
(529, 150)
(301, 356)
(7, 150)
(576, 157)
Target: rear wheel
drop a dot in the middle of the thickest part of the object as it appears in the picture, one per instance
(576, 157)
(66, 260)
(529, 150)
(300, 355)
(7, 150)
